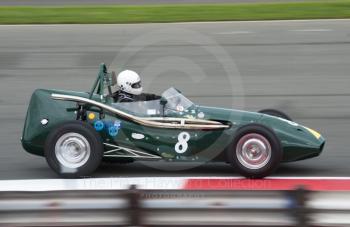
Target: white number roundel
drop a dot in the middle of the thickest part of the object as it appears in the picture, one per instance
(181, 146)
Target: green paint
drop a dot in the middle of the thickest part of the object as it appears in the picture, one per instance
(204, 145)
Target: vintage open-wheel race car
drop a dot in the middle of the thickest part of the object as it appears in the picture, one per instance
(76, 131)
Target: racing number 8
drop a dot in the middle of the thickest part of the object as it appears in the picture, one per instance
(181, 146)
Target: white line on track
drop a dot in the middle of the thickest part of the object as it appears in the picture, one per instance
(120, 183)
(200, 22)
(311, 30)
(234, 33)
(91, 184)
(265, 21)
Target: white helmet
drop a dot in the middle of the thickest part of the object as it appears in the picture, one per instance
(129, 82)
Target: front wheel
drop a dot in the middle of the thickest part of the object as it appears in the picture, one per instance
(256, 151)
(74, 149)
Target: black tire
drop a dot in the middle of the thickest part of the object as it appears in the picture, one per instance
(93, 139)
(261, 131)
(276, 113)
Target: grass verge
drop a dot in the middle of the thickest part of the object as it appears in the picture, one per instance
(173, 13)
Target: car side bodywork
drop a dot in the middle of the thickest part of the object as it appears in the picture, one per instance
(205, 132)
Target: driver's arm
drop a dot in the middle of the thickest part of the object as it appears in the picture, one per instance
(150, 97)
(122, 97)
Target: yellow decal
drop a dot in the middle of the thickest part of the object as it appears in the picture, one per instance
(313, 132)
(91, 116)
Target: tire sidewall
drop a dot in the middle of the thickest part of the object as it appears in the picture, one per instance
(276, 113)
(276, 151)
(90, 135)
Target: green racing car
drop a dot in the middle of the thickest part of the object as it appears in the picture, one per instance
(76, 131)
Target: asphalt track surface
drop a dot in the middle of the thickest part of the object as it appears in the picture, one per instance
(300, 67)
(128, 2)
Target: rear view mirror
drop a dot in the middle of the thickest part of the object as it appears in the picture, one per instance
(163, 101)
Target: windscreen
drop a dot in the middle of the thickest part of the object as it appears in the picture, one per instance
(141, 108)
(176, 101)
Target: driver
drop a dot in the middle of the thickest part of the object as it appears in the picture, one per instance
(130, 89)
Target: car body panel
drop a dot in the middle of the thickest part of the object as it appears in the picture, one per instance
(297, 141)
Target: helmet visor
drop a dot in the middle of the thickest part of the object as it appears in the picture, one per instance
(136, 85)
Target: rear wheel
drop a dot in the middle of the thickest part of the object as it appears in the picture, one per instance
(276, 113)
(256, 151)
(74, 149)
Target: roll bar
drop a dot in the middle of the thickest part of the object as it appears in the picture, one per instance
(103, 79)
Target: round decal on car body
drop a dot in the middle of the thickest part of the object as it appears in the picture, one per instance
(98, 125)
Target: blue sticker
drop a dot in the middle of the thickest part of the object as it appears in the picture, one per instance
(99, 125)
(113, 131)
(111, 127)
(117, 124)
